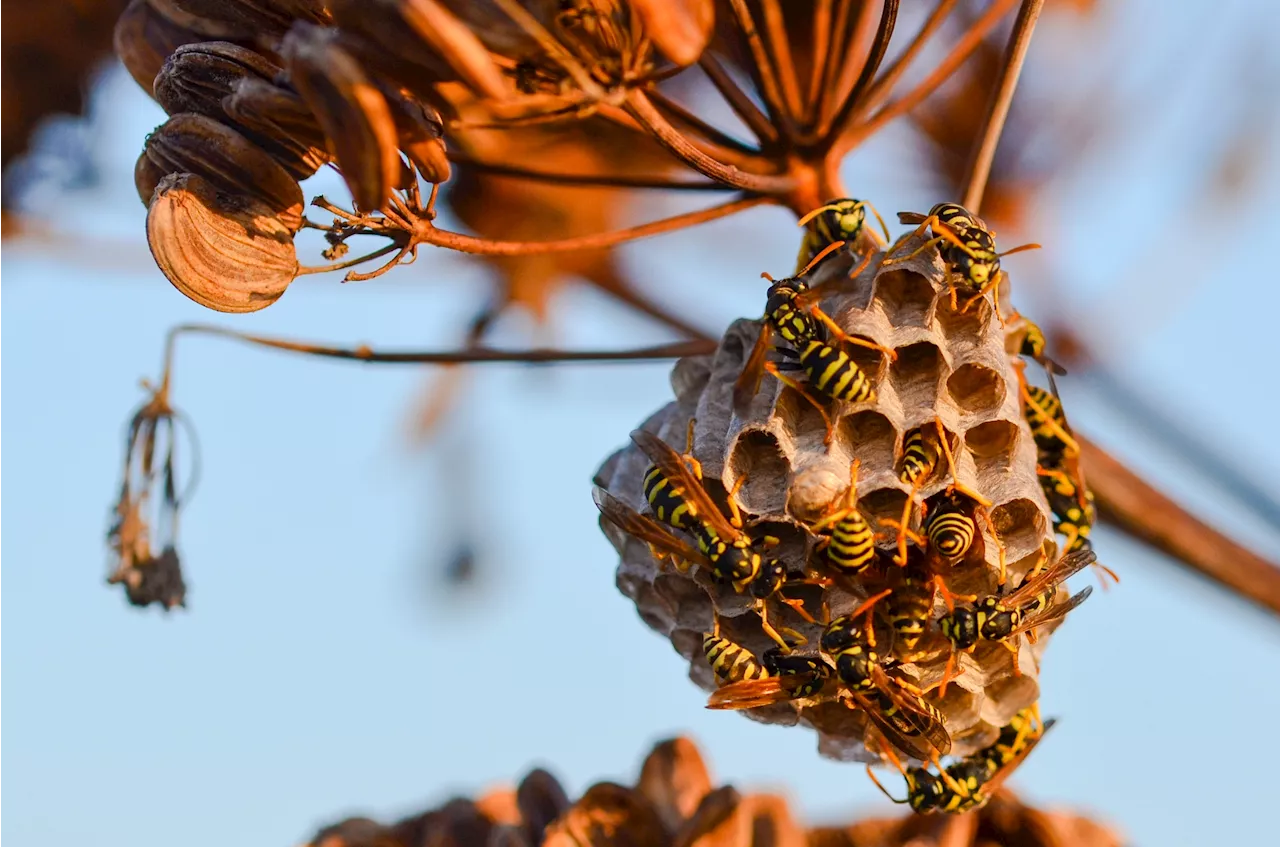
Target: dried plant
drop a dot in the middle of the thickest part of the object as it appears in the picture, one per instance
(543, 120)
(674, 802)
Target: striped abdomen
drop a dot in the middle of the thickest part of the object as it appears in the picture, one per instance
(833, 375)
(919, 457)
(730, 662)
(950, 533)
(852, 547)
(1042, 419)
(1014, 737)
(667, 506)
(909, 608)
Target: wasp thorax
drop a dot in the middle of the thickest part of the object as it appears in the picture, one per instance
(826, 476)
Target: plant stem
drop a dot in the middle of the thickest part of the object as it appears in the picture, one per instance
(984, 151)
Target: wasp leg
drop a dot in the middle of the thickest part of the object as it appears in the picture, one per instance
(950, 597)
(1013, 649)
(763, 611)
(1062, 435)
(736, 517)
(956, 485)
(772, 368)
(694, 464)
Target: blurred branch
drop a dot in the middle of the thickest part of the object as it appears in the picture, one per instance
(742, 105)
(884, 84)
(1130, 503)
(601, 180)
(471, 355)
(767, 81)
(984, 151)
(669, 137)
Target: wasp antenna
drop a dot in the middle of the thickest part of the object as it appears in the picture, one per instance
(765, 275)
(830, 207)
(826, 251)
(883, 790)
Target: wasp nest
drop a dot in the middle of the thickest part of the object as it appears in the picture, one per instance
(674, 803)
(951, 369)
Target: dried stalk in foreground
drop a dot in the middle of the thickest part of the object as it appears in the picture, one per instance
(673, 804)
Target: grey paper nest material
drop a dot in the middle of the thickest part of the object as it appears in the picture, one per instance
(949, 366)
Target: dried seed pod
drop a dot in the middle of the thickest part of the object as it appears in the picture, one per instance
(608, 815)
(423, 33)
(220, 27)
(351, 110)
(681, 29)
(189, 143)
(675, 779)
(229, 252)
(144, 37)
(421, 134)
(951, 368)
(196, 77)
(719, 821)
(278, 120)
(541, 799)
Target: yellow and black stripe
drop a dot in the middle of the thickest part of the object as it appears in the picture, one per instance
(1044, 415)
(919, 457)
(731, 662)
(667, 505)
(950, 530)
(833, 375)
(852, 547)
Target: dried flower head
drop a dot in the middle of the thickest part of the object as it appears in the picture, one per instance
(146, 514)
(675, 804)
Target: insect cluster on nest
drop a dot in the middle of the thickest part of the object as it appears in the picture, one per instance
(860, 542)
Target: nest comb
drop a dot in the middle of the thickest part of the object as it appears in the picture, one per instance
(951, 366)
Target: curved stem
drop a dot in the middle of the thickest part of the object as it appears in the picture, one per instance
(473, 355)
(963, 50)
(1140, 510)
(780, 48)
(765, 77)
(601, 180)
(682, 115)
(984, 152)
(879, 46)
(425, 233)
(667, 135)
(351, 263)
(882, 86)
(821, 44)
(742, 106)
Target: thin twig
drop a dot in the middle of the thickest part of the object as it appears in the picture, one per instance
(426, 233)
(351, 263)
(879, 46)
(963, 49)
(601, 180)
(775, 27)
(837, 52)
(770, 92)
(669, 137)
(884, 84)
(683, 115)
(742, 106)
(820, 47)
(984, 151)
(1140, 510)
(473, 355)
(856, 53)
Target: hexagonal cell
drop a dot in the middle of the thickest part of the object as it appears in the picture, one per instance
(869, 437)
(800, 417)
(976, 388)
(996, 439)
(758, 464)
(1020, 525)
(814, 489)
(916, 374)
(882, 503)
(906, 297)
(869, 360)
(960, 322)
(930, 433)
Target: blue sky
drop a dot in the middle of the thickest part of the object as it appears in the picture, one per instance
(320, 671)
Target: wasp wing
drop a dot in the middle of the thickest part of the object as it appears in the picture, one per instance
(1056, 574)
(925, 720)
(916, 747)
(747, 385)
(684, 484)
(993, 785)
(1052, 614)
(754, 693)
(645, 528)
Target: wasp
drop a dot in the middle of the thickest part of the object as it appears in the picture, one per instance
(1071, 503)
(1043, 412)
(909, 609)
(791, 312)
(850, 547)
(668, 503)
(730, 662)
(920, 455)
(966, 246)
(1001, 617)
(896, 708)
(971, 782)
(950, 526)
(727, 553)
(836, 222)
(1033, 347)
